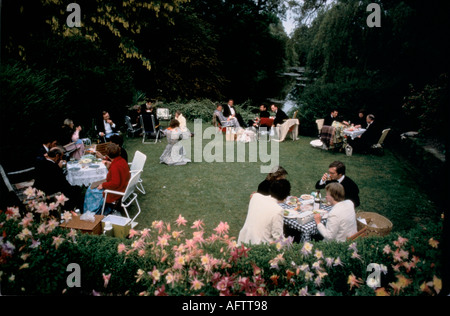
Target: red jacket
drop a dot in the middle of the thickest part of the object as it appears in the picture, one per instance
(117, 179)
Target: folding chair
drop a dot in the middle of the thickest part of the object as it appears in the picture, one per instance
(218, 125)
(102, 149)
(138, 165)
(128, 197)
(163, 114)
(132, 130)
(379, 147)
(320, 125)
(25, 179)
(149, 129)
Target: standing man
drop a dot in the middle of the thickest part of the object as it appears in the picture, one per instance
(336, 173)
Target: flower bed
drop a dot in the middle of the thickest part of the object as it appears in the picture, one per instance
(40, 258)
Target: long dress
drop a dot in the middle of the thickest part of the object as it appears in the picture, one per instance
(175, 154)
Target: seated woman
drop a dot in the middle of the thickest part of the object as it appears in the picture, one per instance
(175, 154)
(341, 222)
(116, 180)
(278, 173)
(70, 138)
(264, 223)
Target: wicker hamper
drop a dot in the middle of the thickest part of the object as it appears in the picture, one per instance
(377, 225)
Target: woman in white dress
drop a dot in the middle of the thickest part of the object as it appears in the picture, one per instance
(341, 222)
(175, 154)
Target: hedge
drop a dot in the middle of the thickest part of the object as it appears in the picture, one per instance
(178, 259)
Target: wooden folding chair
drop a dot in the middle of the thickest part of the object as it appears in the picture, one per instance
(102, 149)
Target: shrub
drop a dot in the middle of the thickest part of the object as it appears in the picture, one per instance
(173, 259)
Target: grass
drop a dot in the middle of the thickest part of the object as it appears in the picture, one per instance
(215, 192)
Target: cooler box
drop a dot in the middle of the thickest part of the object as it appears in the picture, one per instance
(121, 225)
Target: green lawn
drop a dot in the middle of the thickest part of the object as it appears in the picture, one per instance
(215, 192)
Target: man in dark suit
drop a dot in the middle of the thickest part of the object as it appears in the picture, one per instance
(106, 127)
(50, 179)
(49, 142)
(329, 119)
(369, 138)
(280, 115)
(229, 110)
(336, 173)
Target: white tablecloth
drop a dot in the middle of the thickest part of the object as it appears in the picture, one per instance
(281, 131)
(354, 134)
(79, 176)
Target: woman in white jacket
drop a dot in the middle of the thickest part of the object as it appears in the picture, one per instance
(341, 222)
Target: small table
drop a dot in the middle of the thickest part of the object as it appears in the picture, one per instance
(306, 230)
(85, 175)
(85, 227)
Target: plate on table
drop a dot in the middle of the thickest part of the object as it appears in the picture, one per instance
(290, 214)
(94, 166)
(307, 197)
(292, 200)
(74, 169)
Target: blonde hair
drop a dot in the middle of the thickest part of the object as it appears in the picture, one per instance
(336, 191)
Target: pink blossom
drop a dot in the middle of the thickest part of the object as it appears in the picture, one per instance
(121, 248)
(198, 225)
(222, 228)
(61, 199)
(181, 221)
(57, 241)
(106, 279)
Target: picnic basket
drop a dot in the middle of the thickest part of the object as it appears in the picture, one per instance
(377, 225)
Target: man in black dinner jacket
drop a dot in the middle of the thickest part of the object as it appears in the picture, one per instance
(229, 110)
(336, 173)
(50, 179)
(280, 115)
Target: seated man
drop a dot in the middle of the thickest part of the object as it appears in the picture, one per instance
(147, 116)
(229, 111)
(263, 120)
(363, 143)
(280, 115)
(336, 173)
(224, 121)
(264, 223)
(329, 119)
(49, 142)
(50, 179)
(341, 223)
(107, 127)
